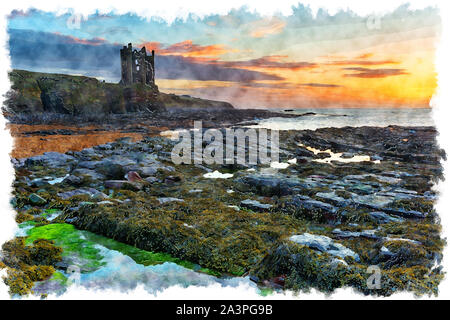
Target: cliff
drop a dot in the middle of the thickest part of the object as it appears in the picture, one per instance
(34, 92)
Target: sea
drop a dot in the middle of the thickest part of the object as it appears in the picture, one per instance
(354, 117)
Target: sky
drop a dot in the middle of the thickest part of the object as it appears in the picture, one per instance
(306, 59)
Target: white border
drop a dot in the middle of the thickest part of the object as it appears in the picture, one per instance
(169, 9)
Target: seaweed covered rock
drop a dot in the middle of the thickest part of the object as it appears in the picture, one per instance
(27, 264)
(301, 267)
(269, 185)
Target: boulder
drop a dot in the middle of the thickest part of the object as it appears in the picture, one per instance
(347, 155)
(111, 170)
(302, 202)
(255, 205)
(165, 200)
(381, 217)
(133, 176)
(81, 191)
(324, 244)
(88, 164)
(370, 234)
(36, 199)
(303, 152)
(123, 184)
(270, 184)
(151, 179)
(51, 159)
(73, 180)
(87, 173)
(147, 171)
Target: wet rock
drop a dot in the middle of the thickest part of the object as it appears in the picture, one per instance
(376, 158)
(324, 244)
(119, 160)
(322, 155)
(172, 179)
(106, 146)
(347, 155)
(38, 183)
(148, 171)
(385, 252)
(73, 180)
(310, 204)
(165, 200)
(112, 170)
(51, 159)
(151, 179)
(204, 168)
(105, 202)
(336, 261)
(345, 234)
(333, 198)
(381, 217)
(82, 191)
(408, 214)
(123, 184)
(269, 185)
(302, 160)
(89, 152)
(403, 240)
(370, 234)
(303, 152)
(361, 189)
(88, 164)
(133, 176)
(87, 173)
(125, 140)
(255, 205)
(36, 199)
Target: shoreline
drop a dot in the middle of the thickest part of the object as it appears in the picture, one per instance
(359, 208)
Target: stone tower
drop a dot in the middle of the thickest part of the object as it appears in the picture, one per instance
(136, 66)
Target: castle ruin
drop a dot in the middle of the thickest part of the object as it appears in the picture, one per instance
(136, 66)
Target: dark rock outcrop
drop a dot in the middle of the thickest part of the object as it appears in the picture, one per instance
(33, 92)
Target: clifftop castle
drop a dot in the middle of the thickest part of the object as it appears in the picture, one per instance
(136, 66)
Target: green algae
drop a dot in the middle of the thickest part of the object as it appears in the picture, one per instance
(60, 277)
(70, 239)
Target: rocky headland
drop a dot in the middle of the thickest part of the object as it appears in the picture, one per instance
(44, 98)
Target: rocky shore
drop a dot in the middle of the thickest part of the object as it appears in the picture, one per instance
(342, 200)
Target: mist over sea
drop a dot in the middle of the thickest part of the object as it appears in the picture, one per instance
(339, 117)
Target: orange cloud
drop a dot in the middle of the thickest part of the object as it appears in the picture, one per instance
(362, 62)
(364, 56)
(374, 73)
(187, 49)
(361, 59)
